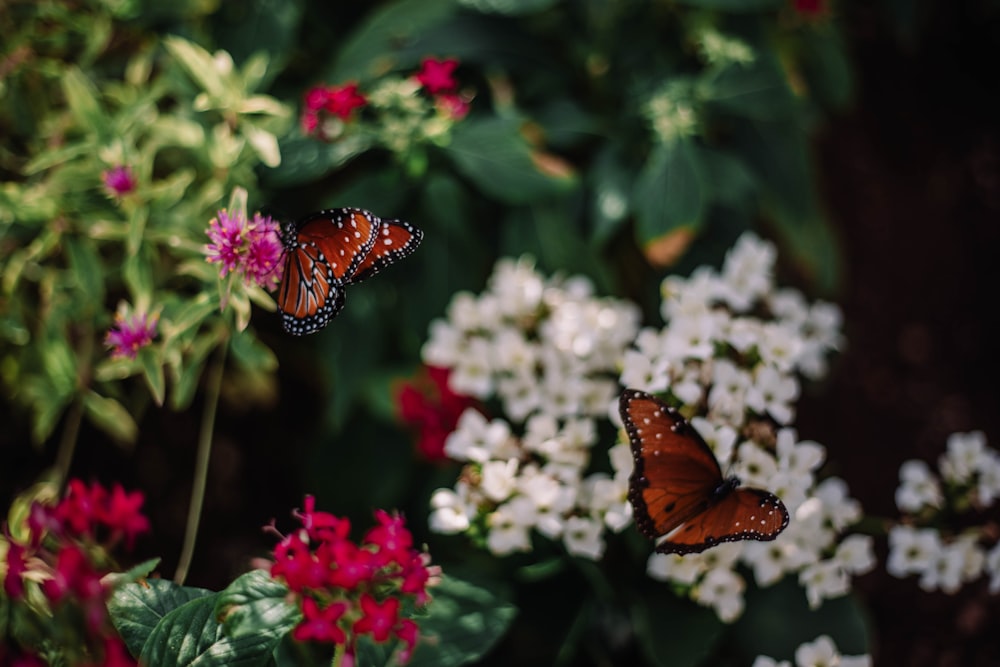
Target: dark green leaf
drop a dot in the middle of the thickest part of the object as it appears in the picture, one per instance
(85, 264)
(669, 192)
(256, 604)
(463, 622)
(674, 632)
(111, 417)
(259, 25)
(81, 95)
(758, 90)
(610, 184)
(728, 180)
(494, 155)
(735, 6)
(305, 159)
(250, 353)
(152, 371)
(137, 608)
(827, 67)
(510, 7)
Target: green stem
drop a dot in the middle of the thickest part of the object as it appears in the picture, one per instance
(213, 388)
(67, 443)
(338, 654)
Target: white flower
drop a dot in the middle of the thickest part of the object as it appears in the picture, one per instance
(451, 511)
(673, 567)
(499, 479)
(721, 589)
(764, 661)
(855, 661)
(513, 352)
(798, 457)
(720, 437)
(911, 550)
(955, 563)
(992, 567)
(520, 393)
(509, 525)
(988, 485)
(475, 439)
(747, 271)
(608, 498)
(517, 286)
(855, 554)
(472, 373)
(584, 537)
(839, 509)
(621, 459)
(918, 487)
(754, 466)
(779, 346)
(727, 398)
(641, 372)
(445, 346)
(772, 392)
(770, 560)
(825, 579)
(962, 460)
(820, 653)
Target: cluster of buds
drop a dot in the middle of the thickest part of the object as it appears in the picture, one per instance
(62, 552)
(346, 590)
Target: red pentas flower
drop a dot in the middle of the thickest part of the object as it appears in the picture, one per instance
(437, 75)
(428, 404)
(345, 589)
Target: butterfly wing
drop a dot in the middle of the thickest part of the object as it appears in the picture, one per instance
(677, 491)
(675, 472)
(343, 236)
(310, 295)
(321, 251)
(740, 514)
(394, 240)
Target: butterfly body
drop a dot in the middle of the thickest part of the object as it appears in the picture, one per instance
(677, 490)
(329, 250)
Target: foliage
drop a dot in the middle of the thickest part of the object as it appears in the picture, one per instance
(611, 140)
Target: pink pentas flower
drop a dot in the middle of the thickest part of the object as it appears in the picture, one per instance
(353, 566)
(379, 619)
(316, 98)
(393, 541)
(407, 632)
(321, 525)
(122, 514)
(428, 404)
(321, 624)
(437, 75)
(119, 181)
(130, 333)
(341, 101)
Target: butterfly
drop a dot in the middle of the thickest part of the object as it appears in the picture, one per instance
(329, 250)
(677, 489)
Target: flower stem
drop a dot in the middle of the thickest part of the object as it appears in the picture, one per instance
(213, 388)
(67, 443)
(338, 654)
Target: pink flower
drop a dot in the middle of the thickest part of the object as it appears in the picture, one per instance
(393, 541)
(13, 584)
(343, 100)
(119, 181)
(428, 403)
(130, 333)
(436, 75)
(321, 625)
(407, 632)
(251, 248)
(122, 514)
(379, 620)
(354, 566)
(452, 105)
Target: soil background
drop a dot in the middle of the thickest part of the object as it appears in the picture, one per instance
(911, 179)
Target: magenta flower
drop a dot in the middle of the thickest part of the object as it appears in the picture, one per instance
(341, 101)
(130, 333)
(251, 248)
(436, 75)
(119, 181)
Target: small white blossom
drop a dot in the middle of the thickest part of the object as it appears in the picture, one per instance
(911, 550)
(451, 511)
(855, 554)
(822, 580)
(499, 479)
(820, 653)
(772, 393)
(674, 567)
(584, 537)
(721, 589)
(918, 487)
(509, 529)
(963, 457)
(475, 438)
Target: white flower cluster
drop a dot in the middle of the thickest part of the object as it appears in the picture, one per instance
(730, 354)
(969, 480)
(548, 350)
(819, 653)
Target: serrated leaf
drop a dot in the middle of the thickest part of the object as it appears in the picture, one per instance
(111, 417)
(254, 604)
(136, 608)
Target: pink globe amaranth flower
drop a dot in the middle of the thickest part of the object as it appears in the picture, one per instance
(130, 333)
(263, 263)
(436, 75)
(341, 101)
(226, 233)
(119, 181)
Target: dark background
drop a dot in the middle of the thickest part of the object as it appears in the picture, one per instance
(911, 178)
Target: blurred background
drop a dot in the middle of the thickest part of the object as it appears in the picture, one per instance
(895, 141)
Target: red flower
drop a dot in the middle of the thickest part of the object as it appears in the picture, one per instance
(321, 624)
(379, 619)
(436, 75)
(300, 568)
(73, 574)
(316, 98)
(13, 585)
(407, 632)
(82, 508)
(322, 525)
(427, 403)
(391, 538)
(123, 516)
(415, 578)
(811, 8)
(354, 566)
(342, 101)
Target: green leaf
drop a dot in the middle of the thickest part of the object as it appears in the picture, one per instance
(759, 90)
(81, 96)
(111, 417)
(728, 180)
(385, 29)
(190, 635)
(256, 604)
(610, 186)
(198, 63)
(152, 371)
(251, 353)
(493, 154)
(827, 66)
(463, 622)
(669, 192)
(674, 632)
(510, 7)
(85, 265)
(137, 608)
(304, 159)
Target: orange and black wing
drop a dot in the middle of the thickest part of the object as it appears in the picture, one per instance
(394, 240)
(737, 514)
(310, 294)
(675, 474)
(343, 236)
